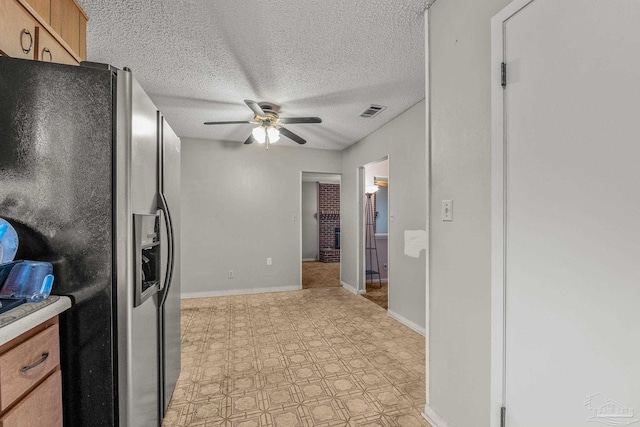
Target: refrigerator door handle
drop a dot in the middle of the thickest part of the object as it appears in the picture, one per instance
(171, 253)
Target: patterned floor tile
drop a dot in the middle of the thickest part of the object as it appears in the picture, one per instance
(313, 358)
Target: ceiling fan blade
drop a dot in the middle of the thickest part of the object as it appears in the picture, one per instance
(226, 123)
(286, 132)
(250, 140)
(257, 110)
(292, 120)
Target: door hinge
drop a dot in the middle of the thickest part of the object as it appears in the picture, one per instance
(503, 74)
(503, 414)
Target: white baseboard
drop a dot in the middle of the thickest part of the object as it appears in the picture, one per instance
(433, 417)
(206, 294)
(383, 280)
(309, 259)
(351, 288)
(419, 329)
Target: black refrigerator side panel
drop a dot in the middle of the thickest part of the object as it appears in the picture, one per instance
(56, 133)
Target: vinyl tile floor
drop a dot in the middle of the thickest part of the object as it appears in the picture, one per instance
(316, 357)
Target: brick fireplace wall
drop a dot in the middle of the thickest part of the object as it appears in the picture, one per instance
(328, 221)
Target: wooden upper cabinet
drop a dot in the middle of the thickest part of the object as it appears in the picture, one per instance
(17, 31)
(82, 51)
(49, 50)
(42, 8)
(65, 20)
(62, 25)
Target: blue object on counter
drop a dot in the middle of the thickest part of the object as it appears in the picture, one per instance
(30, 280)
(8, 241)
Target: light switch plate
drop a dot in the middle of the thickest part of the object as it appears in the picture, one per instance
(447, 210)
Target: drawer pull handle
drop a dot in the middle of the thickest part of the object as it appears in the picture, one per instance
(44, 357)
(46, 50)
(28, 33)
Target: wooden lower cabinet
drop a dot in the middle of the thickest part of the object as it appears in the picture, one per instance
(41, 408)
(30, 378)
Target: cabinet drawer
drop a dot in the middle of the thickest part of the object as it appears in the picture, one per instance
(41, 408)
(49, 50)
(25, 365)
(18, 31)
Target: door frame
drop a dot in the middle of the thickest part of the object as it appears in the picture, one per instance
(301, 177)
(362, 260)
(498, 212)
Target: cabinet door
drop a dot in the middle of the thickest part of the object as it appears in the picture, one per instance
(83, 38)
(27, 364)
(41, 408)
(49, 50)
(65, 20)
(17, 32)
(42, 8)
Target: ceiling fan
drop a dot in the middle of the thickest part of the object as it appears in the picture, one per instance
(270, 124)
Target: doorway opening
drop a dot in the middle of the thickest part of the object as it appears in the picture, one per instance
(376, 232)
(320, 222)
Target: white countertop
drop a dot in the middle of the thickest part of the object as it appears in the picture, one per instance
(15, 322)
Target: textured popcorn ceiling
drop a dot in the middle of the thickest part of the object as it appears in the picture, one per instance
(198, 59)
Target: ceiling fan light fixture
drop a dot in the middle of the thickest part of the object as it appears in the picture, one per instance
(274, 134)
(259, 134)
(270, 124)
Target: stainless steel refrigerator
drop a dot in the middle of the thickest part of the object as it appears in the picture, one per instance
(90, 179)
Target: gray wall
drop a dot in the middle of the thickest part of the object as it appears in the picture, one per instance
(237, 209)
(403, 140)
(382, 204)
(459, 340)
(309, 220)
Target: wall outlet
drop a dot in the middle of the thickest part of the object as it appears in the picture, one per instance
(385, 266)
(392, 217)
(230, 274)
(294, 217)
(268, 261)
(447, 210)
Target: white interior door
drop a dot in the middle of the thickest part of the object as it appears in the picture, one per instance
(572, 222)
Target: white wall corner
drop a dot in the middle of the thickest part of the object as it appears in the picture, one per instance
(408, 323)
(433, 417)
(207, 294)
(351, 289)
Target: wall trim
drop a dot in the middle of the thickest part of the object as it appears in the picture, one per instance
(433, 418)
(382, 280)
(497, 371)
(351, 288)
(309, 259)
(408, 323)
(207, 294)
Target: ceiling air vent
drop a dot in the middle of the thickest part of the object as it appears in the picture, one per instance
(372, 111)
